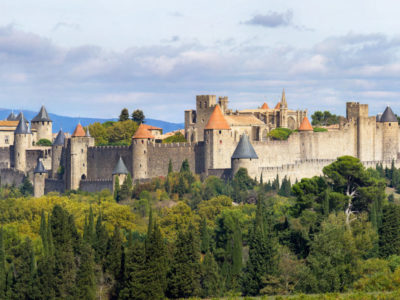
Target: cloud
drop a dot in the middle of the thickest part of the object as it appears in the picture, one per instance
(65, 25)
(175, 14)
(164, 79)
(272, 19)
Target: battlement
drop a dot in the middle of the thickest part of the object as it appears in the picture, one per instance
(99, 148)
(173, 145)
(96, 180)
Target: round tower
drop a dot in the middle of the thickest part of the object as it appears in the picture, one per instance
(120, 172)
(57, 156)
(244, 156)
(140, 142)
(390, 135)
(306, 145)
(22, 141)
(43, 125)
(39, 179)
(216, 136)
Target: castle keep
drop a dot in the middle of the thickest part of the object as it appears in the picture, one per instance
(220, 141)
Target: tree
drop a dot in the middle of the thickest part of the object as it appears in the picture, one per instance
(115, 251)
(3, 272)
(124, 116)
(170, 168)
(126, 188)
(389, 231)
(183, 277)
(85, 280)
(26, 187)
(205, 237)
(138, 116)
(324, 118)
(101, 240)
(262, 254)
(210, 277)
(44, 142)
(117, 189)
(134, 286)
(178, 137)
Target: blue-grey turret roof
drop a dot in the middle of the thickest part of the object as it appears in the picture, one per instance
(12, 117)
(60, 138)
(244, 149)
(21, 117)
(42, 116)
(120, 167)
(39, 167)
(22, 127)
(388, 116)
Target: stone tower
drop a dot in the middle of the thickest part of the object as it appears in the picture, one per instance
(22, 141)
(58, 156)
(140, 142)
(43, 125)
(223, 103)
(216, 135)
(244, 156)
(77, 148)
(39, 177)
(120, 172)
(306, 141)
(390, 135)
(283, 114)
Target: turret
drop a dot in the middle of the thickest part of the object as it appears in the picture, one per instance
(58, 156)
(120, 172)
(77, 149)
(244, 156)
(22, 141)
(216, 135)
(390, 135)
(43, 125)
(39, 178)
(306, 130)
(140, 142)
(12, 117)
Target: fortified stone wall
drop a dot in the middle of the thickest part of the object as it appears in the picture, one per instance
(5, 161)
(11, 177)
(95, 185)
(102, 160)
(159, 156)
(54, 185)
(32, 156)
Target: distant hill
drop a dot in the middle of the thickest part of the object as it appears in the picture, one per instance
(68, 124)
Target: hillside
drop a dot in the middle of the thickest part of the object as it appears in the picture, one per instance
(68, 123)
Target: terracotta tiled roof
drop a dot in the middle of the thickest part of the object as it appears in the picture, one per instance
(149, 127)
(278, 105)
(217, 120)
(305, 125)
(265, 106)
(143, 133)
(79, 131)
(243, 120)
(9, 123)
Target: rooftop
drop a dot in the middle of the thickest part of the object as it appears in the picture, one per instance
(217, 120)
(244, 149)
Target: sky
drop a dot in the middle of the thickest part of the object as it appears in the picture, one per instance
(92, 58)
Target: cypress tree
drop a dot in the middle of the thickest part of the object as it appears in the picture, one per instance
(117, 189)
(262, 254)
(114, 253)
(183, 277)
(204, 236)
(210, 277)
(101, 240)
(2, 267)
(85, 279)
(170, 168)
(389, 232)
(325, 204)
(261, 179)
(134, 285)
(156, 265)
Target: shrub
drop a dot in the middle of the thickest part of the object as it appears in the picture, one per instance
(320, 129)
(43, 142)
(176, 138)
(280, 134)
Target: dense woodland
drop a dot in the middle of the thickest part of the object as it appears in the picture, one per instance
(179, 237)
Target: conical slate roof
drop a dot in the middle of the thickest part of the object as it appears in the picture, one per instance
(305, 125)
(39, 168)
(265, 106)
(143, 133)
(60, 138)
(378, 117)
(79, 131)
(120, 167)
(42, 116)
(388, 116)
(244, 149)
(21, 117)
(22, 127)
(12, 117)
(217, 120)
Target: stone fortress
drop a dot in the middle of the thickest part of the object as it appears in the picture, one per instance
(220, 141)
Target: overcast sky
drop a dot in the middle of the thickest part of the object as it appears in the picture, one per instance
(92, 58)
